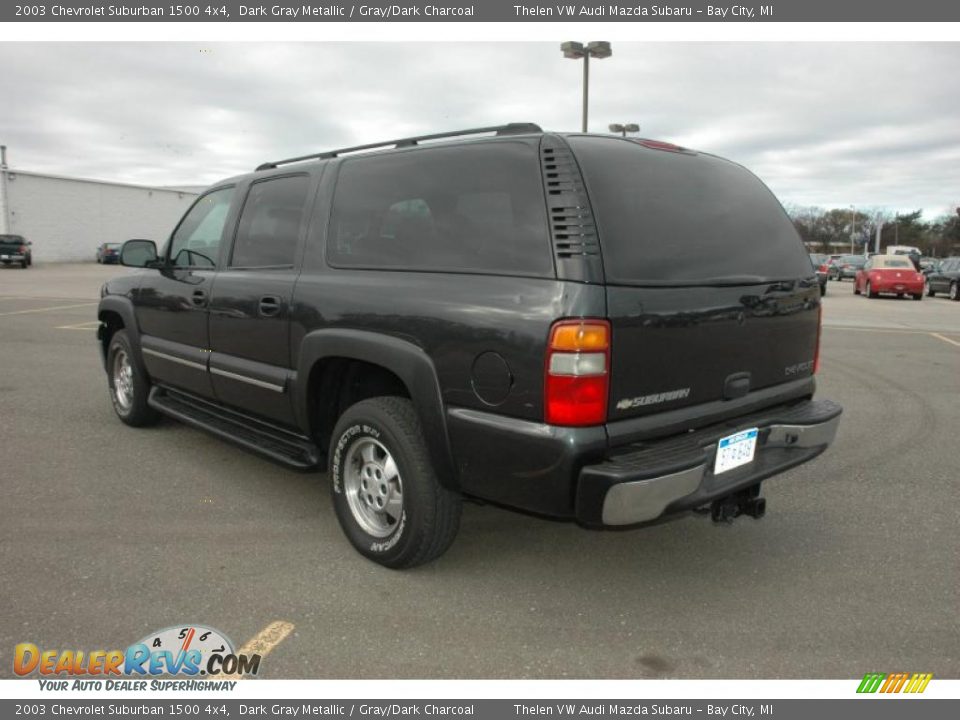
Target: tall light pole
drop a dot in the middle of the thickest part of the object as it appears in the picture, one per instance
(4, 200)
(599, 49)
(624, 129)
(853, 226)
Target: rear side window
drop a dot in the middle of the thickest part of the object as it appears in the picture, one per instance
(269, 228)
(670, 218)
(475, 208)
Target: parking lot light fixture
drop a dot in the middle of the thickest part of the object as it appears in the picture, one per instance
(624, 129)
(598, 49)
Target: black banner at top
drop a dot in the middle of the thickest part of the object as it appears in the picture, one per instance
(482, 11)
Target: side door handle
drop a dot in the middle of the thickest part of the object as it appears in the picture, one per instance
(270, 305)
(199, 298)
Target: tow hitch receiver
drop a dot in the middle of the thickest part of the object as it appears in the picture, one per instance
(745, 502)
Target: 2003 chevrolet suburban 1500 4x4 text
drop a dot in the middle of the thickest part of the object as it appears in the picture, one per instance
(587, 327)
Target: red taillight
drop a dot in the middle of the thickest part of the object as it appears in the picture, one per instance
(816, 351)
(823, 268)
(576, 373)
(23, 250)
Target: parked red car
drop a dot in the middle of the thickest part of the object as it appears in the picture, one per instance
(893, 274)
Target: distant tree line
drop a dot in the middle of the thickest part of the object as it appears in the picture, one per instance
(831, 231)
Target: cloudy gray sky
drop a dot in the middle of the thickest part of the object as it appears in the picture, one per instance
(829, 124)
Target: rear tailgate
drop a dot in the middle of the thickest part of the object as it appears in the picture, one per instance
(710, 292)
(673, 348)
(10, 244)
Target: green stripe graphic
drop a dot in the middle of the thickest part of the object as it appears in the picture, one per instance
(871, 682)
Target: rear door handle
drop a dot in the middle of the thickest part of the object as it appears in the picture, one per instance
(270, 305)
(199, 298)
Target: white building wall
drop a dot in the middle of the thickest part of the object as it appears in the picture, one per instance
(67, 218)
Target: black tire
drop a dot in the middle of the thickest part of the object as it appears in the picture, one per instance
(918, 296)
(869, 291)
(930, 291)
(823, 290)
(954, 291)
(429, 514)
(136, 412)
(856, 288)
(24, 264)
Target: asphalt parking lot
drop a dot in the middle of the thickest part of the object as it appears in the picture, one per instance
(108, 533)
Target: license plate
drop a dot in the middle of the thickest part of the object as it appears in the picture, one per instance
(4, 257)
(735, 450)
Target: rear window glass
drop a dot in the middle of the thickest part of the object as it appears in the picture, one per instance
(668, 218)
(474, 208)
(853, 259)
(893, 263)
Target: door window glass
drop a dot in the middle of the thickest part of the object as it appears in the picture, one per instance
(196, 241)
(269, 228)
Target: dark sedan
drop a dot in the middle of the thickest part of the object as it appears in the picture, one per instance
(945, 279)
(846, 266)
(108, 253)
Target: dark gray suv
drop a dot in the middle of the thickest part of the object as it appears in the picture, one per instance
(586, 327)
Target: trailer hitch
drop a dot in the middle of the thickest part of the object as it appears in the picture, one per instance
(744, 502)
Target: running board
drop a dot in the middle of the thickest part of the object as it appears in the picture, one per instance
(286, 448)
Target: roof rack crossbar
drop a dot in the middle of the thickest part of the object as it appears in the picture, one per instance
(509, 129)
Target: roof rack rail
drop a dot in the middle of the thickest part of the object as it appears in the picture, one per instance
(508, 129)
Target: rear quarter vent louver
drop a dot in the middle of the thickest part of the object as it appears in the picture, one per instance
(573, 230)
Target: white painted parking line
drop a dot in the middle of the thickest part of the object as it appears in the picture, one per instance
(895, 331)
(92, 325)
(945, 339)
(47, 309)
(43, 298)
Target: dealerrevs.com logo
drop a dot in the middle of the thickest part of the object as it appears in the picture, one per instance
(188, 651)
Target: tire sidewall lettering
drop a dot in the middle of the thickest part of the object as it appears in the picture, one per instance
(379, 546)
(346, 439)
(349, 434)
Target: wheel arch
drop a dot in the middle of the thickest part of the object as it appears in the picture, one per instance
(331, 360)
(116, 313)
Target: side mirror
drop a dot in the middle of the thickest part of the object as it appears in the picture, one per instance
(139, 253)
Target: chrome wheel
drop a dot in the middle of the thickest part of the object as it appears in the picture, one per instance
(373, 487)
(122, 381)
